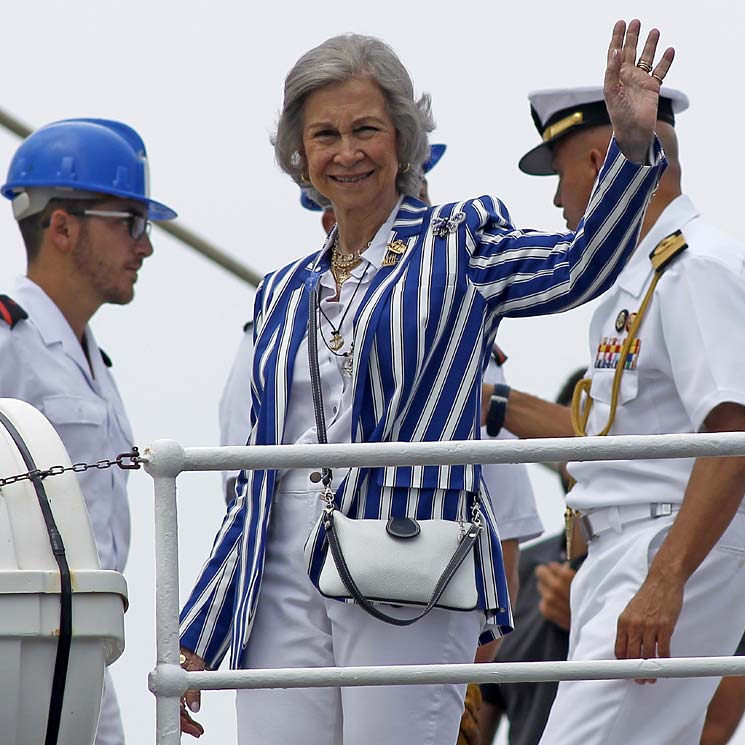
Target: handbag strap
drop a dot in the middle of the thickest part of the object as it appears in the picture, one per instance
(464, 547)
(315, 382)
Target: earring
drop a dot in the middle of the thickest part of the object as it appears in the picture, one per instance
(406, 167)
(304, 177)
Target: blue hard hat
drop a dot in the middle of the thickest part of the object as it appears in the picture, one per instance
(436, 152)
(90, 155)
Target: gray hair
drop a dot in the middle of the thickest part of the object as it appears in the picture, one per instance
(337, 60)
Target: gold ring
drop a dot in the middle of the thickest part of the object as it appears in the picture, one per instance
(182, 659)
(644, 65)
(657, 78)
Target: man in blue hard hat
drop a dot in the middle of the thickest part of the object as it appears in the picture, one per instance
(79, 191)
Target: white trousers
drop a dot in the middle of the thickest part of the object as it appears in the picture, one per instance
(110, 731)
(295, 626)
(670, 711)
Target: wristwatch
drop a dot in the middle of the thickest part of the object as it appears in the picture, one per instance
(497, 409)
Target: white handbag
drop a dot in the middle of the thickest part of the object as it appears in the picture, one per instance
(399, 561)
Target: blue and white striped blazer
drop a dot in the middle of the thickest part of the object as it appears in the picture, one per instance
(423, 332)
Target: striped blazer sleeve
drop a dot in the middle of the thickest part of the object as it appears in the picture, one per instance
(528, 272)
(207, 616)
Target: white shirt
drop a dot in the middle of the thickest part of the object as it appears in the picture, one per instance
(689, 360)
(509, 484)
(43, 363)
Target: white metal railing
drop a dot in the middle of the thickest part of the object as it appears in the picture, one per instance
(166, 459)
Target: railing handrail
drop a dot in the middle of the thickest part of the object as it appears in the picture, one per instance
(498, 672)
(163, 456)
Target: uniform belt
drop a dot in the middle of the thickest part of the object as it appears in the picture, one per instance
(595, 522)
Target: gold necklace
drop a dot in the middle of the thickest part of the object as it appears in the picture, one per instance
(342, 264)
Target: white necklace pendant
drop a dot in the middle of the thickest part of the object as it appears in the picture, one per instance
(337, 341)
(348, 364)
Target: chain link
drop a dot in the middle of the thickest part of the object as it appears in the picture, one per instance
(127, 461)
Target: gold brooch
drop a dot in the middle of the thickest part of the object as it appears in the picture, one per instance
(394, 252)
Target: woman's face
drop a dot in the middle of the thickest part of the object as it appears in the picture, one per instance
(350, 145)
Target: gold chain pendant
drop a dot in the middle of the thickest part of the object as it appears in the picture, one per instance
(337, 341)
(342, 267)
(341, 275)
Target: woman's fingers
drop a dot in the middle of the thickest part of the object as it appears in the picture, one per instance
(662, 67)
(190, 726)
(193, 700)
(616, 40)
(631, 41)
(650, 48)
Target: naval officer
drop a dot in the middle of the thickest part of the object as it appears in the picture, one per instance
(665, 572)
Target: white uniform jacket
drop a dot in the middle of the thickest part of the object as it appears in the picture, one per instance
(687, 357)
(423, 333)
(43, 363)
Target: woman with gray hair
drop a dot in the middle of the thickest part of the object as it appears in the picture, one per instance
(381, 336)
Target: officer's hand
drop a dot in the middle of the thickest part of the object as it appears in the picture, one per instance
(191, 699)
(646, 625)
(632, 93)
(469, 722)
(554, 583)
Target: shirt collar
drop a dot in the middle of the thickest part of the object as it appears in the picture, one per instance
(52, 325)
(375, 254)
(674, 217)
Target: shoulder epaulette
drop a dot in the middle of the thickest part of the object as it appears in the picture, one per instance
(498, 355)
(247, 325)
(10, 312)
(105, 357)
(667, 250)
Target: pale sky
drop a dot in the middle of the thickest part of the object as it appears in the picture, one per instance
(202, 83)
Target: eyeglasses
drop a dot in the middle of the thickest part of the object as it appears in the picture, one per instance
(138, 225)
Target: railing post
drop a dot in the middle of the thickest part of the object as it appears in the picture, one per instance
(165, 462)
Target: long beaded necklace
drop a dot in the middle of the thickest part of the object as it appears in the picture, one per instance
(337, 340)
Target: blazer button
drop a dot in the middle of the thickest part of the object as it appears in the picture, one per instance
(315, 477)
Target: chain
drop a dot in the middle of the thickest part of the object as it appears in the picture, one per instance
(127, 461)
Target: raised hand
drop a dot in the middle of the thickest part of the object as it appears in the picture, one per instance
(632, 87)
